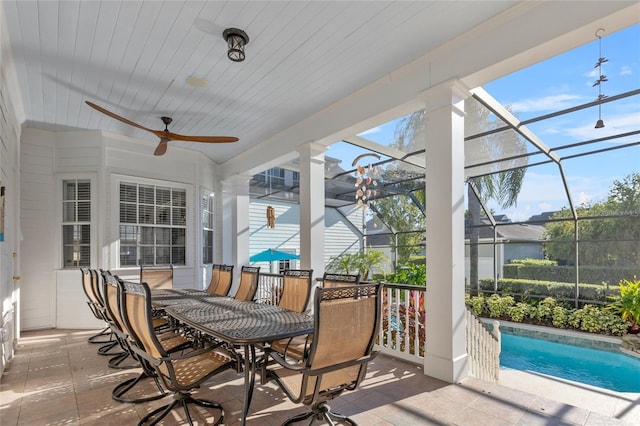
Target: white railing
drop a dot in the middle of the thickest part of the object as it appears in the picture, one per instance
(402, 332)
(483, 349)
(402, 329)
(269, 288)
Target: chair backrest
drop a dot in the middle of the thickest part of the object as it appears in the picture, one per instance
(215, 278)
(225, 278)
(340, 280)
(111, 301)
(137, 314)
(157, 277)
(296, 289)
(248, 283)
(92, 299)
(347, 320)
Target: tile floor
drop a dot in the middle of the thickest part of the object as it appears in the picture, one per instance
(57, 378)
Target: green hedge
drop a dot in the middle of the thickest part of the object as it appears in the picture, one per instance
(588, 274)
(548, 312)
(542, 289)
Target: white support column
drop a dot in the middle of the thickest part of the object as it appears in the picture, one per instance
(312, 214)
(445, 352)
(234, 224)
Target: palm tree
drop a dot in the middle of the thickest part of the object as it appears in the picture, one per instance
(493, 183)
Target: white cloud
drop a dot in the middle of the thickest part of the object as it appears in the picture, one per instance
(583, 199)
(613, 125)
(626, 70)
(593, 73)
(544, 207)
(547, 103)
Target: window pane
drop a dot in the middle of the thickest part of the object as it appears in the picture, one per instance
(179, 198)
(68, 212)
(145, 214)
(146, 235)
(128, 256)
(177, 256)
(84, 211)
(163, 196)
(163, 236)
(163, 216)
(128, 234)
(163, 256)
(179, 216)
(84, 190)
(69, 190)
(128, 193)
(147, 255)
(177, 237)
(128, 213)
(146, 195)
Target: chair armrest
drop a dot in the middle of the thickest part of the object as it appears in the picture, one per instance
(140, 352)
(362, 360)
(277, 357)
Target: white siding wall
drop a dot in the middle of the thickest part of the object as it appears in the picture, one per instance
(54, 297)
(340, 235)
(10, 117)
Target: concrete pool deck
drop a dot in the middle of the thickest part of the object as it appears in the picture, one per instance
(619, 405)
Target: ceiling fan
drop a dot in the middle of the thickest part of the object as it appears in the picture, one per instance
(165, 135)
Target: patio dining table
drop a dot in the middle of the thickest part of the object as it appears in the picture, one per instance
(238, 323)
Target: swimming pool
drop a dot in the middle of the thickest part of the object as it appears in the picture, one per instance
(606, 369)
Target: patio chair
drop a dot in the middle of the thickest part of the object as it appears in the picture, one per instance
(296, 289)
(340, 280)
(346, 325)
(157, 276)
(95, 308)
(249, 276)
(180, 373)
(223, 276)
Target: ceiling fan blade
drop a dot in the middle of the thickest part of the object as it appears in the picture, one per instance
(206, 139)
(119, 118)
(161, 148)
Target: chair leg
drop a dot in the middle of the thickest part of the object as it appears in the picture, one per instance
(106, 348)
(321, 411)
(299, 417)
(105, 332)
(183, 399)
(117, 359)
(119, 391)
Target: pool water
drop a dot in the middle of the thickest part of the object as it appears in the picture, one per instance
(610, 370)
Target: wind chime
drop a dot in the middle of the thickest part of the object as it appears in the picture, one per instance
(601, 79)
(366, 181)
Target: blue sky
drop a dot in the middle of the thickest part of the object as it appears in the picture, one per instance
(555, 84)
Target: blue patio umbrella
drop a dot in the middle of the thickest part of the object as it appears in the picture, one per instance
(271, 255)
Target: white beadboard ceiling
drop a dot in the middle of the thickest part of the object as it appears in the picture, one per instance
(133, 58)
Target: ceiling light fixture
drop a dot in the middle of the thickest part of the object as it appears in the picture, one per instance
(601, 79)
(236, 41)
(195, 81)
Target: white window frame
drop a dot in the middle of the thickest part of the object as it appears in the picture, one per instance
(60, 178)
(210, 197)
(116, 180)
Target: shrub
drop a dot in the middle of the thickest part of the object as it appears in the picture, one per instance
(518, 312)
(590, 318)
(544, 311)
(559, 317)
(498, 306)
